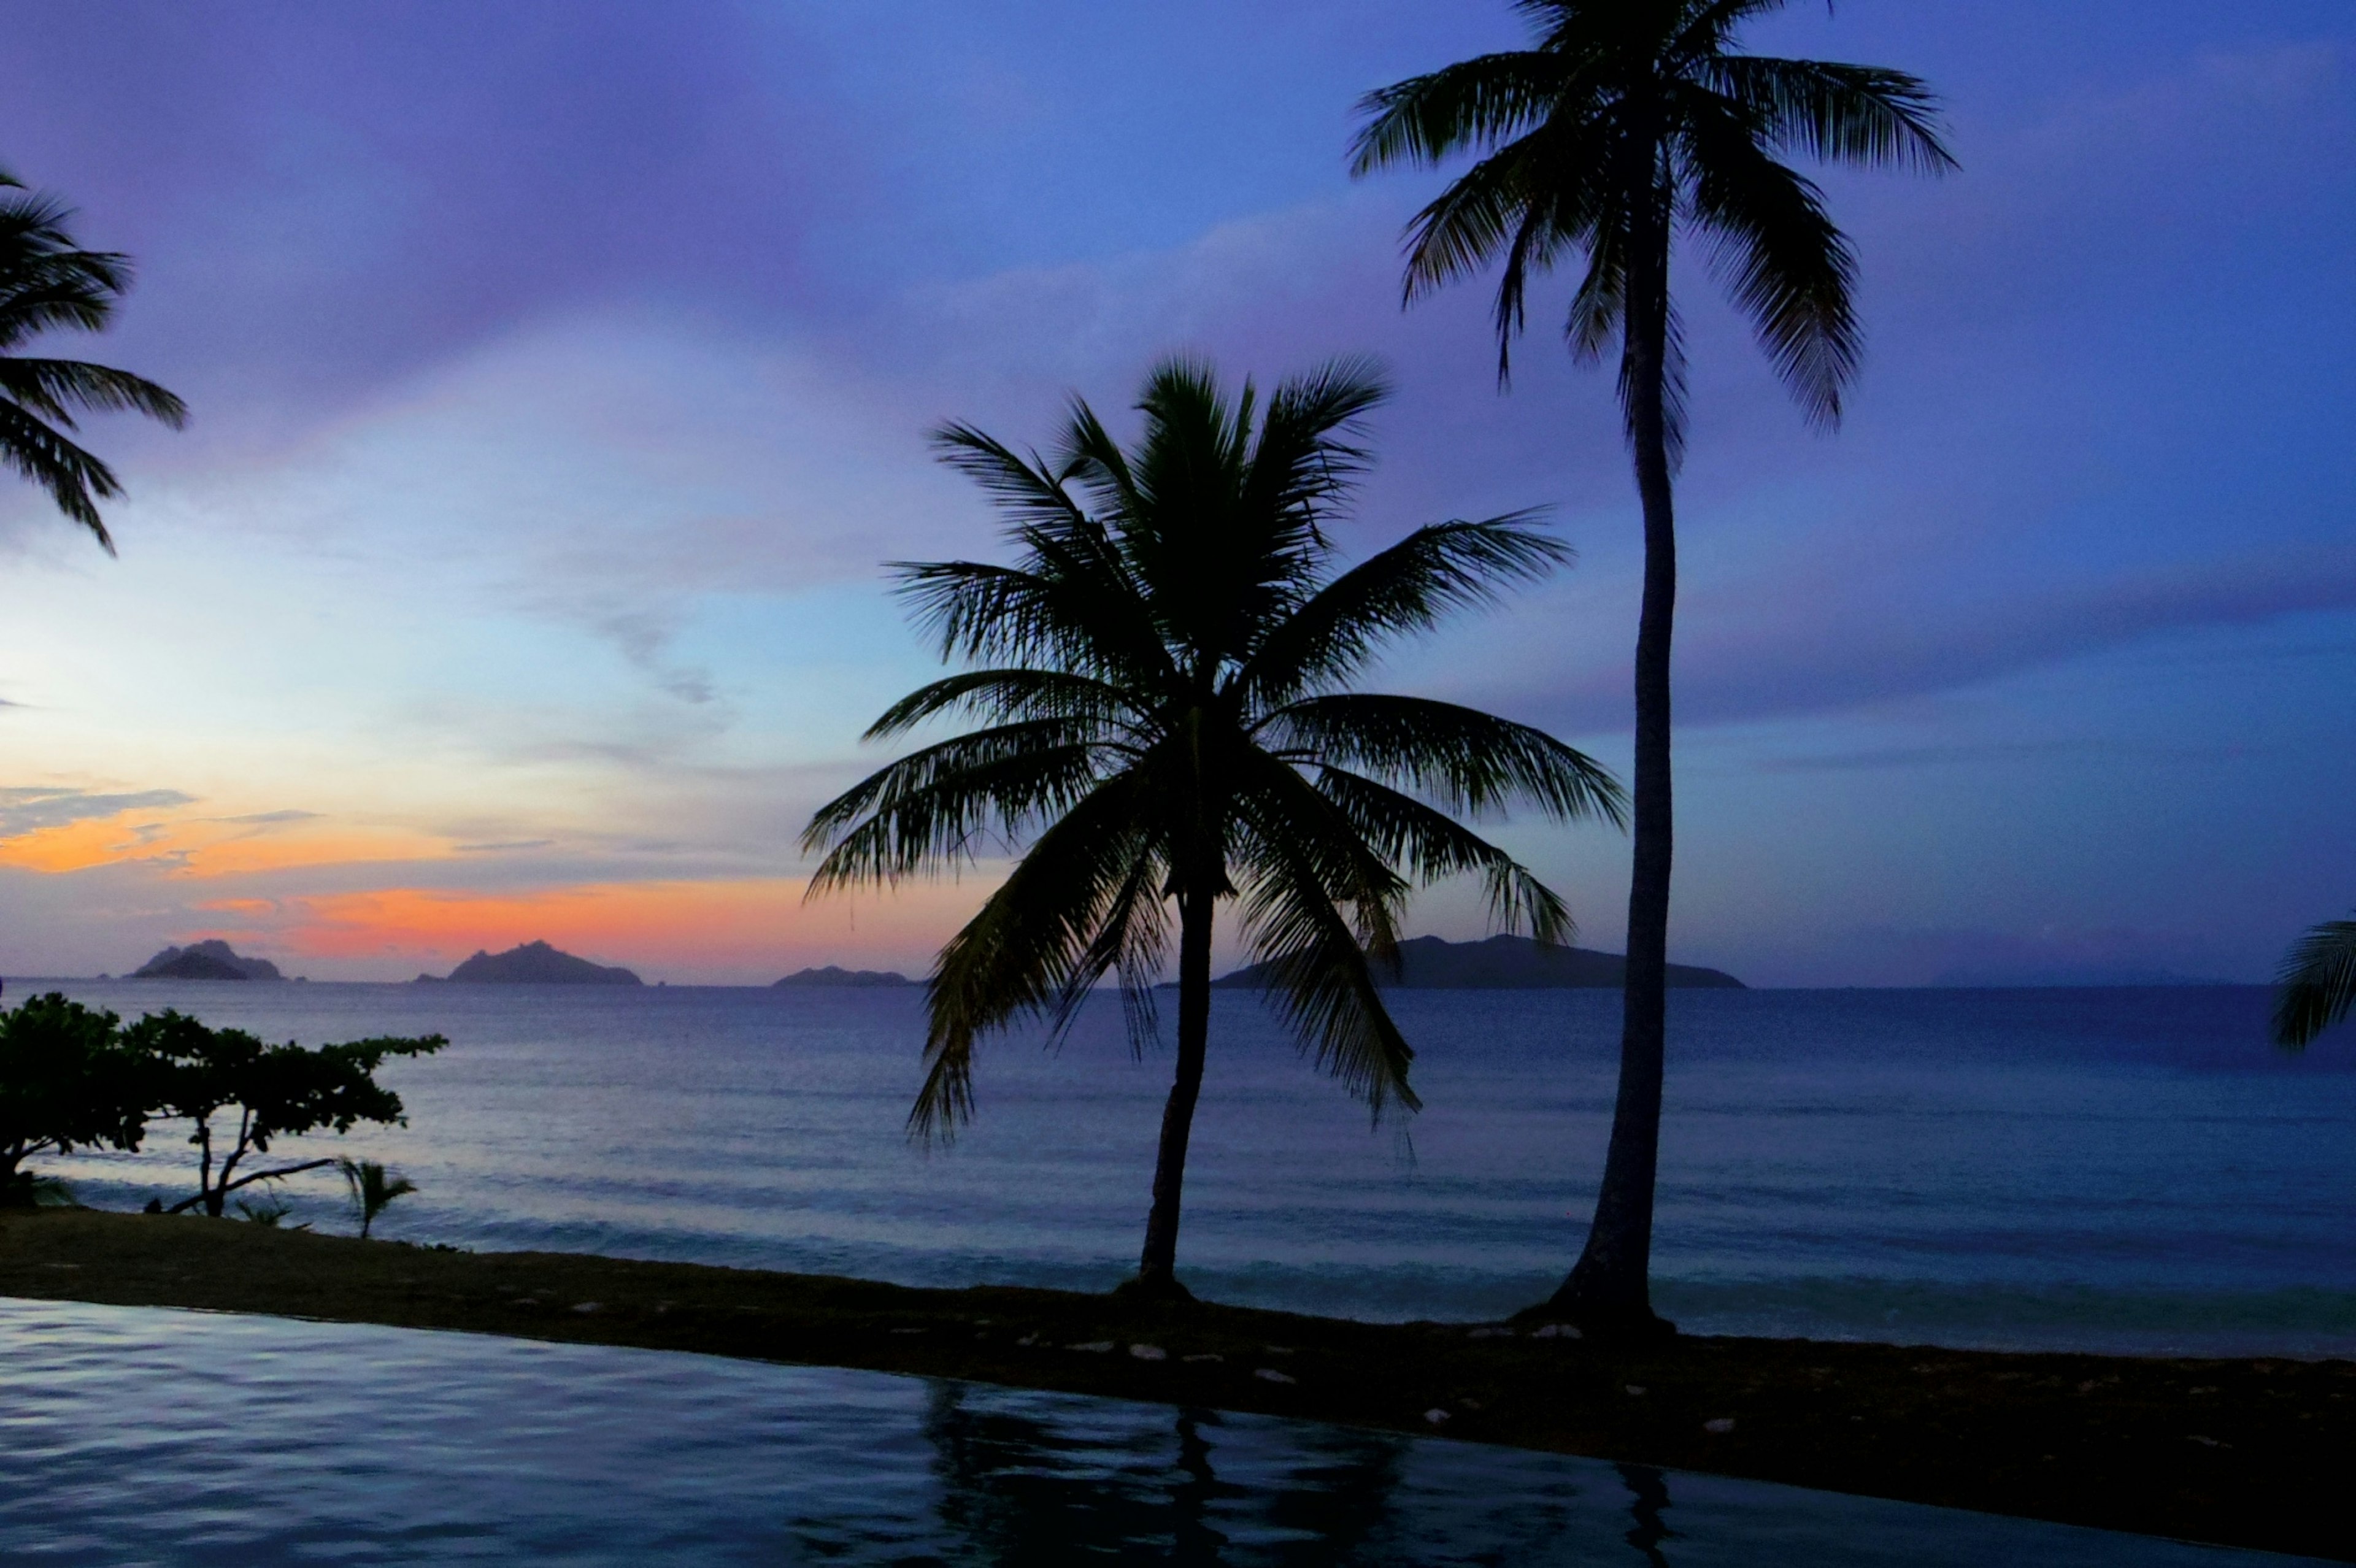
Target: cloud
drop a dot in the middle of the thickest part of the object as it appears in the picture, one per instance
(31, 809)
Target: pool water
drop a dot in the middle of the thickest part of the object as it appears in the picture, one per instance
(151, 1436)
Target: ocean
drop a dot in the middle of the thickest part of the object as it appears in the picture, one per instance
(2133, 1170)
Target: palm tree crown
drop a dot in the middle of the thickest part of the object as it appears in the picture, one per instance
(1166, 722)
(1626, 121)
(48, 283)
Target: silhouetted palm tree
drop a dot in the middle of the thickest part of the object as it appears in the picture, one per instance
(1626, 123)
(48, 283)
(1167, 724)
(2317, 983)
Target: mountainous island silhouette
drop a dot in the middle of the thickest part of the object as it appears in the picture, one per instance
(533, 964)
(834, 975)
(212, 959)
(1503, 964)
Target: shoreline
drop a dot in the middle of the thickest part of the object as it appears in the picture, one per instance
(2239, 1452)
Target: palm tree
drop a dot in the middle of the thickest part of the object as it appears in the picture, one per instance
(372, 1189)
(1161, 681)
(47, 283)
(1626, 123)
(2316, 984)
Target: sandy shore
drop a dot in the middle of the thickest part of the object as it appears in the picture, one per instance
(2245, 1453)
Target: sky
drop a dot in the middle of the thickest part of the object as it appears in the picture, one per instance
(561, 370)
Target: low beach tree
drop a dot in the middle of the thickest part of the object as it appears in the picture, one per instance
(66, 1081)
(1163, 685)
(1626, 127)
(48, 284)
(277, 1092)
(2317, 983)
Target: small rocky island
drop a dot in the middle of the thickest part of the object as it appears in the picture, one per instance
(834, 975)
(533, 964)
(212, 959)
(1504, 963)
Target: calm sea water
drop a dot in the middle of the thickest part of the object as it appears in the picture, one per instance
(138, 1436)
(2132, 1169)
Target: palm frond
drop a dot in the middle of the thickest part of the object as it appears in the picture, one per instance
(1032, 944)
(928, 810)
(1407, 588)
(1432, 846)
(1477, 103)
(2317, 983)
(1787, 266)
(76, 480)
(1003, 696)
(1300, 860)
(1841, 113)
(1059, 611)
(53, 388)
(1466, 760)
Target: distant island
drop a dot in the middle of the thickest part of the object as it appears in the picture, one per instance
(212, 959)
(833, 974)
(533, 964)
(1504, 963)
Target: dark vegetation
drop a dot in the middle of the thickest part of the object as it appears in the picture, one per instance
(1164, 677)
(1627, 127)
(66, 1081)
(2248, 1453)
(74, 1077)
(50, 283)
(2316, 984)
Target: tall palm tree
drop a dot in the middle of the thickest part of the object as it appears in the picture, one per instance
(48, 283)
(1163, 679)
(2317, 983)
(1626, 125)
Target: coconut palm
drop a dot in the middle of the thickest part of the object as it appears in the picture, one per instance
(48, 283)
(2317, 983)
(1625, 126)
(1162, 681)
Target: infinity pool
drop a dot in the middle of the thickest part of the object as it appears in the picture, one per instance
(149, 1436)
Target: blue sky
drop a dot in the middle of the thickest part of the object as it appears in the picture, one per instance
(561, 373)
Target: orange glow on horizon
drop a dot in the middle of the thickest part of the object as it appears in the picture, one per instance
(211, 847)
(751, 930)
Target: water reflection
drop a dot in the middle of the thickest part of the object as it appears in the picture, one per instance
(1026, 1479)
(1651, 1491)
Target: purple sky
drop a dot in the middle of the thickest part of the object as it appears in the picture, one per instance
(560, 373)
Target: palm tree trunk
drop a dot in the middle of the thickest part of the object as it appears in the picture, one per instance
(1157, 1270)
(1609, 1289)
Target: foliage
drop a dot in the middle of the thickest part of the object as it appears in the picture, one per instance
(278, 1091)
(372, 1189)
(2317, 983)
(270, 1211)
(1162, 686)
(66, 1082)
(1625, 119)
(48, 283)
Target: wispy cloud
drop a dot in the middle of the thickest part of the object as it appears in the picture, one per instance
(31, 808)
